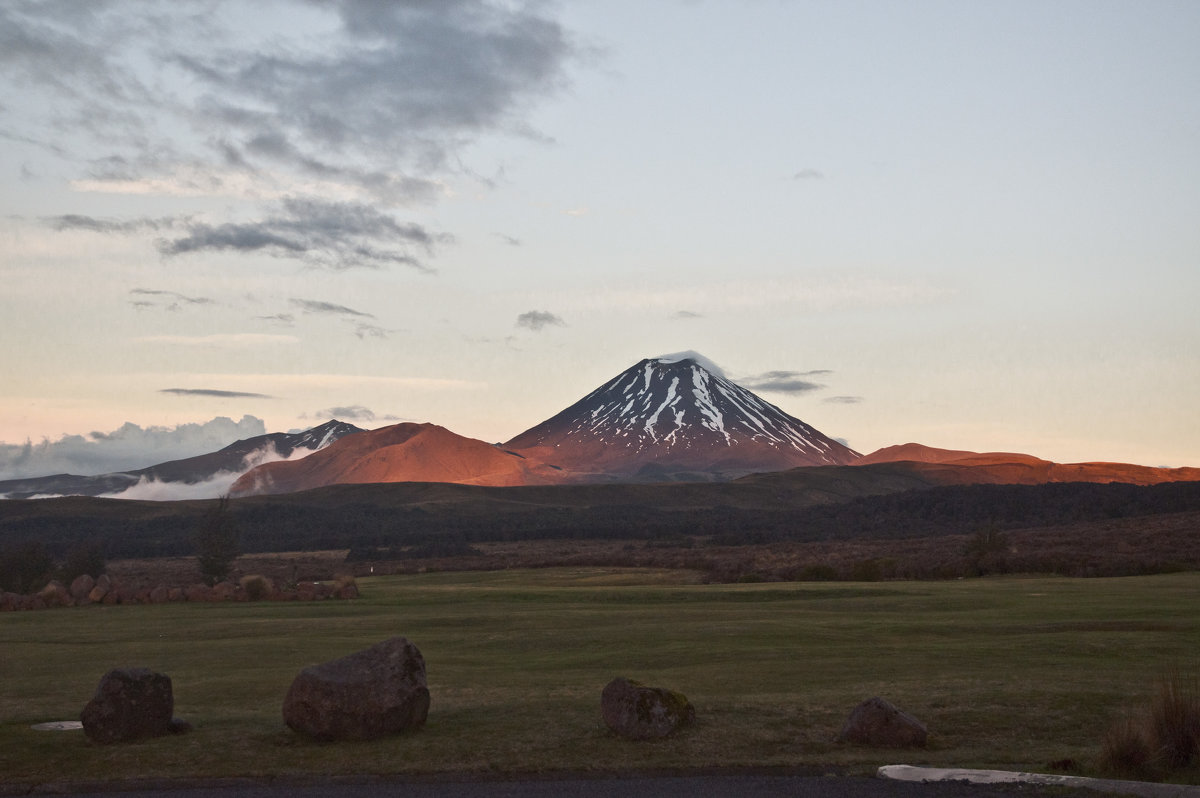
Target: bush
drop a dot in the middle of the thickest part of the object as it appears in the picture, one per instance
(24, 567)
(1163, 738)
(1174, 723)
(82, 560)
(257, 587)
(1124, 752)
(217, 542)
(818, 572)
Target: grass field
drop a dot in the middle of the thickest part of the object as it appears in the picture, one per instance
(1009, 672)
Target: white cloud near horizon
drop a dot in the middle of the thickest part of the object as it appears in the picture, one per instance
(126, 448)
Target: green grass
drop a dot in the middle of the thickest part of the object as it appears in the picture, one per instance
(1010, 673)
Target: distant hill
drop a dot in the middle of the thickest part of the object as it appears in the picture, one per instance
(1024, 469)
(398, 453)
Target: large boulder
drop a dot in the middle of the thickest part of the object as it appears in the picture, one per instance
(81, 586)
(129, 704)
(638, 712)
(879, 724)
(100, 589)
(379, 690)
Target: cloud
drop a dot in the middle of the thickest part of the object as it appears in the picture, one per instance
(843, 400)
(333, 235)
(687, 314)
(784, 381)
(215, 393)
(222, 340)
(97, 225)
(168, 300)
(363, 331)
(507, 239)
(538, 319)
(348, 413)
(690, 354)
(282, 319)
(320, 306)
(370, 104)
(125, 448)
(808, 174)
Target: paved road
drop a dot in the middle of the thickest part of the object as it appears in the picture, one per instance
(698, 786)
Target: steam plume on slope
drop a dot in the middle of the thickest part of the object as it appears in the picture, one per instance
(148, 489)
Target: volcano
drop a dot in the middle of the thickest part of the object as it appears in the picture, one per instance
(675, 418)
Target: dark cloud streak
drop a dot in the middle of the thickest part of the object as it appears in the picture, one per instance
(785, 381)
(214, 393)
(334, 235)
(320, 306)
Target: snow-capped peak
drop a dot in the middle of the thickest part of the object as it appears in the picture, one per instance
(676, 407)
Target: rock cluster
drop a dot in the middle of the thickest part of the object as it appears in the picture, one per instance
(102, 590)
(638, 712)
(377, 691)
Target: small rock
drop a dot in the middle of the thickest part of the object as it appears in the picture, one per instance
(638, 712)
(129, 704)
(380, 690)
(877, 723)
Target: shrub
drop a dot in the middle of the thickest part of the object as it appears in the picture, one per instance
(1124, 752)
(217, 542)
(1174, 722)
(83, 559)
(1162, 738)
(818, 572)
(257, 587)
(24, 567)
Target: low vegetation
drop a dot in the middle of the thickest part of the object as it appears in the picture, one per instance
(1006, 672)
(1161, 739)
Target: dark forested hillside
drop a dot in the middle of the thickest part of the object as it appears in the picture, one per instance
(388, 516)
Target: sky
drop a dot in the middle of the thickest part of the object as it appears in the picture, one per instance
(969, 225)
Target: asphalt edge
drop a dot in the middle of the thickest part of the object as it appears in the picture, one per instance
(1142, 789)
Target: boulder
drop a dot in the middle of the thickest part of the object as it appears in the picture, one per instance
(377, 691)
(81, 586)
(197, 592)
(223, 591)
(100, 589)
(129, 704)
(55, 594)
(638, 712)
(879, 724)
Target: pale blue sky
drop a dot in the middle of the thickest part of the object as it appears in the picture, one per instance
(976, 222)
